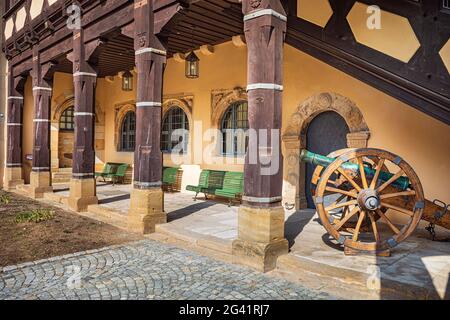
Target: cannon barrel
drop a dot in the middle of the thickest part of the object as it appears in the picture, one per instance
(401, 183)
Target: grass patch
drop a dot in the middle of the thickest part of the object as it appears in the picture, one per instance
(4, 198)
(36, 215)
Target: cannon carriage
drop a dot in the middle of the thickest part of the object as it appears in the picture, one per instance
(354, 190)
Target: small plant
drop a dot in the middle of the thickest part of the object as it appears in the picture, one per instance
(5, 199)
(35, 215)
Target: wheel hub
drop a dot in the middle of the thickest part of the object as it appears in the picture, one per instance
(368, 199)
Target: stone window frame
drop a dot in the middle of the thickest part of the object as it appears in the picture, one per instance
(122, 146)
(221, 100)
(121, 110)
(185, 102)
(294, 139)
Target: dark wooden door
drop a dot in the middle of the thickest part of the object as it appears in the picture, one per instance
(326, 133)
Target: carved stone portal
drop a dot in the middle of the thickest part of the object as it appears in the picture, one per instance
(294, 139)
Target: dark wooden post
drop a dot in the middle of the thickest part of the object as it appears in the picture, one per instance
(13, 171)
(261, 216)
(147, 197)
(40, 179)
(82, 185)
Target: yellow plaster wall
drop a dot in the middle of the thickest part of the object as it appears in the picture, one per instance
(421, 140)
(225, 69)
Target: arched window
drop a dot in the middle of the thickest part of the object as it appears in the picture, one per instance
(128, 132)
(66, 122)
(175, 131)
(234, 127)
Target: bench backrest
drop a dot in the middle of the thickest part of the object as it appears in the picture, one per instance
(107, 168)
(215, 179)
(234, 181)
(170, 175)
(121, 170)
(203, 179)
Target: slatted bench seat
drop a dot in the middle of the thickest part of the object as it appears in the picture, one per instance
(233, 185)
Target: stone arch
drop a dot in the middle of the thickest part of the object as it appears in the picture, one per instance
(221, 101)
(121, 112)
(294, 138)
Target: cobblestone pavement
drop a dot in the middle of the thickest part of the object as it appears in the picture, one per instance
(143, 270)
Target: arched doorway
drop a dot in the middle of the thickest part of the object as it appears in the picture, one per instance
(327, 132)
(295, 139)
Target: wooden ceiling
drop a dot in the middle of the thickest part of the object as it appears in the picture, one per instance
(204, 22)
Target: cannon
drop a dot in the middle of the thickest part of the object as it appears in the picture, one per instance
(354, 189)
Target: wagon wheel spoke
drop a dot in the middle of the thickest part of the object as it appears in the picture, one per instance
(398, 194)
(340, 205)
(391, 180)
(389, 222)
(363, 173)
(358, 225)
(374, 227)
(344, 192)
(339, 225)
(402, 210)
(349, 179)
(377, 173)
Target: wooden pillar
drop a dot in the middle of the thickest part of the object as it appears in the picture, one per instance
(40, 178)
(147, 197)
(13, 170)
(82, 185)
(261, 216)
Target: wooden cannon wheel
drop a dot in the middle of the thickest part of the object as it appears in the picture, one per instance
(349, 225)
(369, 201)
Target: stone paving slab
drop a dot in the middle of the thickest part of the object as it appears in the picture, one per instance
(143, 270)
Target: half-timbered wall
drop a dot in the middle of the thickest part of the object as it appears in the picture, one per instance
(2, 107)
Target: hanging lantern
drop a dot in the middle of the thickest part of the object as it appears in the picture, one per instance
(192, 66)
(127, 81)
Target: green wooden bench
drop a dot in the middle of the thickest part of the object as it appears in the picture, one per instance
(208, 182)
(202, 184)
(107, 169)
(114, 171)
(119, 175)
(170, 178)
(233, 186)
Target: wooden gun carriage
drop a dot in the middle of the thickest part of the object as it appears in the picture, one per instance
(353, 189)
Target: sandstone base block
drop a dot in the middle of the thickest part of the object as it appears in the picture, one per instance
(260, 237)
(146, 210)
(40, 183)
(13, 178)
(82, 194)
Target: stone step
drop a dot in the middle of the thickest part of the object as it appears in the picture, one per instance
(200, 240)
(346, 282)
(55, 197)
(107, 215)
(62, 176)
